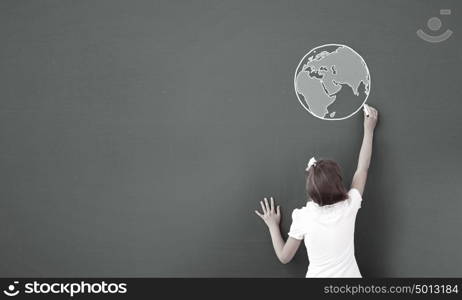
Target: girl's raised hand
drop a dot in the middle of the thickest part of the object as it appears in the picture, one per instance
(270, 215)
(370, 117)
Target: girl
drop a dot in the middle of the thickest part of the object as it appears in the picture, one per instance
(327, 222)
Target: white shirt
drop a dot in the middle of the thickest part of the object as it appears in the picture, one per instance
(329, 236)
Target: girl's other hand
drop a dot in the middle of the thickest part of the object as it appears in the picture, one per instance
(270, 215)
(370, 120)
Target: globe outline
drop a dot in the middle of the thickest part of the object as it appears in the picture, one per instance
(304, 105)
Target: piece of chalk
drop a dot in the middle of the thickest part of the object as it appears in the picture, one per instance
(366, 110)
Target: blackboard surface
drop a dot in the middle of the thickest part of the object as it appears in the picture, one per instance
(137, 137)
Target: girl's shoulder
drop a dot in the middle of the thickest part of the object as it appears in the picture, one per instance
(297, 212)
(354, 198)
(304, 210)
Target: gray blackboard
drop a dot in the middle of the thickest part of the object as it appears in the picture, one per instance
(137, 137)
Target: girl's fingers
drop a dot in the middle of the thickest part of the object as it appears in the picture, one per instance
(374, 112)
(278, 210)
(267, 205)
(259, 214)
(272, 204)
(263, 207)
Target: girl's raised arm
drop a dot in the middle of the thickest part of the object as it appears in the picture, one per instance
(360, 176)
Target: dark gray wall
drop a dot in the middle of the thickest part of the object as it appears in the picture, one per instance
(137, 137)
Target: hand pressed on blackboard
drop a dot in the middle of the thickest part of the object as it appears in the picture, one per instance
(270, 215)
(285, 251)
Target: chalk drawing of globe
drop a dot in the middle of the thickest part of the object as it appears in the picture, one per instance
(332, 82)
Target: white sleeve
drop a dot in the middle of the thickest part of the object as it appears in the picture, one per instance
(355, 197)
(296, 229)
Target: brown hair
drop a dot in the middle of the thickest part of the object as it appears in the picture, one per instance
(324, 183)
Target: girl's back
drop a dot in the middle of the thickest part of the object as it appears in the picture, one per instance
(328, 232)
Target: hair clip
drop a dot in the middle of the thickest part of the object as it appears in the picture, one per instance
(311, 163)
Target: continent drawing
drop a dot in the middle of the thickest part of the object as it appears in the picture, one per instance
(332, 82)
